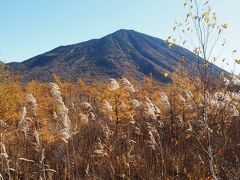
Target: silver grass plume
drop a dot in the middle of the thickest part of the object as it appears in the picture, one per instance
(73, 107)
(87, 106)
(3, 152)
(114, 84)
(99, 151)
(135, 103)
(83, 118)
(33, 103)
(128, 85)
(23, 116)
(55, 116)
(37, 138)
(236, 80)
(23, 122)
(62, 111)
(91, 116)
(164, 99)
(151, 110)
(233, 80)
(3, 124)
(188, 94)
(152, 133)
(4, 158)
(182, 99)
(220, 100)
(107, 106)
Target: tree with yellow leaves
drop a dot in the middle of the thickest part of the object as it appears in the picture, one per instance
(202, 32)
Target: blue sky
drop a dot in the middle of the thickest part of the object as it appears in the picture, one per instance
(29, 28)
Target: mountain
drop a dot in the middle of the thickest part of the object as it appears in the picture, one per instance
(122, 53)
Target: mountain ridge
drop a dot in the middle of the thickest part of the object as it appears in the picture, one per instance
(122, 53)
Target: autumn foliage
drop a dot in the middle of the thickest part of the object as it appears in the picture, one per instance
(118, 130)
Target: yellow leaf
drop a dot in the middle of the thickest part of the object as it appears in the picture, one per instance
(206, 19)
(196, 51)
(237, 61)
(215, 168)
(189, 15)
(165, 74)
(206, 64)
(225, 26)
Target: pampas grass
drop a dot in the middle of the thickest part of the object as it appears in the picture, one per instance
(120, 133)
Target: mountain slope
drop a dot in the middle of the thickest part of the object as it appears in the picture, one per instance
(123, 53)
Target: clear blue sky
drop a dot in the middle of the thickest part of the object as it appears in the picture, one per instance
(30, 27)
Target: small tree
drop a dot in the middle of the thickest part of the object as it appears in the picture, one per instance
(201, 33)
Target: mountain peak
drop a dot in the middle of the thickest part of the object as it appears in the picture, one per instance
(124, 31)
